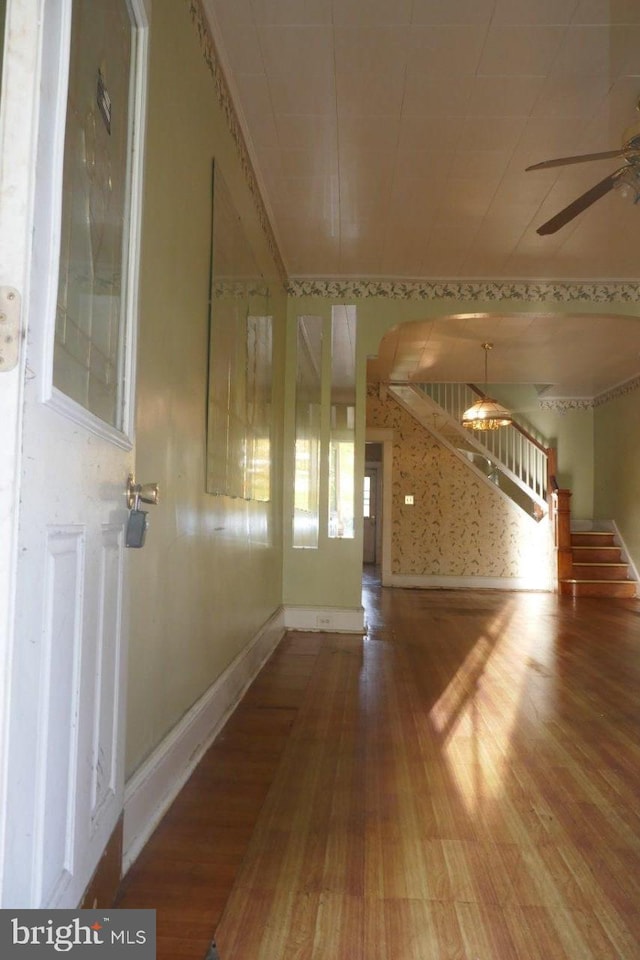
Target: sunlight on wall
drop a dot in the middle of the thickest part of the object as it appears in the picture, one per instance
(532, 554)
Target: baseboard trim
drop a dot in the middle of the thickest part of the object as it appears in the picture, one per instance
(633, 571)
(418, 582)
(154, 786)
(325, 619)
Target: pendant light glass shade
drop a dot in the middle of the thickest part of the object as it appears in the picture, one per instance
(486, 413)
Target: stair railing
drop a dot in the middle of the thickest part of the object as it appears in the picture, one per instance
(518, 450)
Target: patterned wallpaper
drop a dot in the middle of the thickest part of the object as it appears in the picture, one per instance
(459, 526)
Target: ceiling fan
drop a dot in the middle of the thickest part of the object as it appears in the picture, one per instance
(625, 178)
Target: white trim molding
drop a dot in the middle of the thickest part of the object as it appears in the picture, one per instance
(626, 556)
(541, 582)
(325, 619)
(154, 786)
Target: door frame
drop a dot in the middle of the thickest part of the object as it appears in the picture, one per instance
(19, 112)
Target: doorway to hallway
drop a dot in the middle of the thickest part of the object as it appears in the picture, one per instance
(372, 506)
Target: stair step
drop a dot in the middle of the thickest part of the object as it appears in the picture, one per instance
(615, 589)
(596, 554)
(592, 538)
(599, 571)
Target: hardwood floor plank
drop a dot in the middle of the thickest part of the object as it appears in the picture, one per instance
(413, 930)
(462, 783)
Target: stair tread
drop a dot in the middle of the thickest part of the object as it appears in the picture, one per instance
(599, 569)
(594, 546)
(600, 563)
(592, 580)
(591, 533)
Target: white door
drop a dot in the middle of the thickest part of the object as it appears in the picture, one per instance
(74, 74)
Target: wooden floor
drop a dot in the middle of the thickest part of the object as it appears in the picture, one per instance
(464, 782)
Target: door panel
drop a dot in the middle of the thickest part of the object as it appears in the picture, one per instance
(64, 768)
(105, 751)
(59, 699)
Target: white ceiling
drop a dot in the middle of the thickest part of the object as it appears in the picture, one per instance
(390, 137)
(390, 140)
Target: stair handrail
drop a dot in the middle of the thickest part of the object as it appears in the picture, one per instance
(548, 454)
(561, 499)
(516, 426)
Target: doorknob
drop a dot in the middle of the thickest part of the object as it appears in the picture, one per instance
(147, 492)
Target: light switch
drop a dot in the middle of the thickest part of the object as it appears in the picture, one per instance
(409, 499)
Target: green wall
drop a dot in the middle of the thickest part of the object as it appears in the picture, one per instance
(331, 575)
(569, 431)
(210, 574)
(617, 473)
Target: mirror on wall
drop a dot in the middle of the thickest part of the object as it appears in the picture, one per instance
(343, 423)
(306, 514)
(240, 360)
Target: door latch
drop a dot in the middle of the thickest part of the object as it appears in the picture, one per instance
(10, 303)
(138, 521)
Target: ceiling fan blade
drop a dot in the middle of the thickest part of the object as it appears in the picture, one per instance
(581, 203)
(581, 158)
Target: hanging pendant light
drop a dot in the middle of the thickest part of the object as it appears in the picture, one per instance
(486, 413)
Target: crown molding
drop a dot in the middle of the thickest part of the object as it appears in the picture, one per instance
(225, 101)
(522, 290)
(565, 404)
(620, 391)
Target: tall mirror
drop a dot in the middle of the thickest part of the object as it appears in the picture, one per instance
(308, 424)
(240, 360)
(342, 430)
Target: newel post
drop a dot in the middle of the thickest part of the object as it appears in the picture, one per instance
(562, 533)
(552, 470)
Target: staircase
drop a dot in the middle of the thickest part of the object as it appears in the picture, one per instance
(589, 564)
(597, 568)
(509, 459)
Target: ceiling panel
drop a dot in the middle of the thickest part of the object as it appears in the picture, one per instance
(399, 103)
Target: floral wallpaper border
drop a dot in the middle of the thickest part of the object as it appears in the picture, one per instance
(210, 54)
(565, 405)
(583, 403)
(556, 292)
(620, 391)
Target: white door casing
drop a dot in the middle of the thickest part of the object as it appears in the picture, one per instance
(62, 762)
